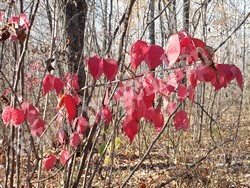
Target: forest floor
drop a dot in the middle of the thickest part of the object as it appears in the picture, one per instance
(220, 160)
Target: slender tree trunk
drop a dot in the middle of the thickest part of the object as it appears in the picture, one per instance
(104, 27)
(151, 28)
(75, 16)
(172, 18)
(186, 8)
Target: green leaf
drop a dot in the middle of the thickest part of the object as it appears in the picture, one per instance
(102, 147)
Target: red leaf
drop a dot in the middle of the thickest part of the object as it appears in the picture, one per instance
(182, 92)
(30, 112)
(77, 98)
(75, 139)
(173, 49)
(64, 157)
(171, 107)
(110, 68)
(154, 56)
(38, 127)
(6, 115)
(205, 74)
(181, 120)
(130, 127)
(1, 17)
(81, 123)
(17, 117)
(192, 77)
(137, 53)
(225, 75)
(158, 120)
(148, 97)
(71, 81)
(49, 162)
(149, 113)
(58, 85)
(238, 75)
(70, 105)
(104, 115)
(198, 43)
(48, 83)
(95, 66)
(61, 135)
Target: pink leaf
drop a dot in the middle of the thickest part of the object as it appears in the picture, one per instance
(6, 115)
(17, 117)
(70, 105)
(179, 75)
(191, 93)
(128, 100)
(64, 157)
(48, 83)
(14, 19)
(95, 65)
(181, 120)
(158, 120)
(61, 135)
(182, 92)
(110, 68)
(75, 139)
(154, 56)
(119, 92)
(81, 124)
(137, 53)
(49, 162)
(171, 107)
(1, 17)
(30, 112)
(173, 49)
(130, 127)
(106, 97)
(24, 21)
(38, 127)
(71, 80)
(58, 85)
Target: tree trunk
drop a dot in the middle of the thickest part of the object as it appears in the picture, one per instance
(151, 28)
(75, 16)
(172, 18)
(186, 7)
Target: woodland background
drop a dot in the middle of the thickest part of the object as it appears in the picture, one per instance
(68, 32)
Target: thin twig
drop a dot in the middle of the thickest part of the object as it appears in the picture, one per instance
(234, 31)
(193, 165)
(150, 147)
